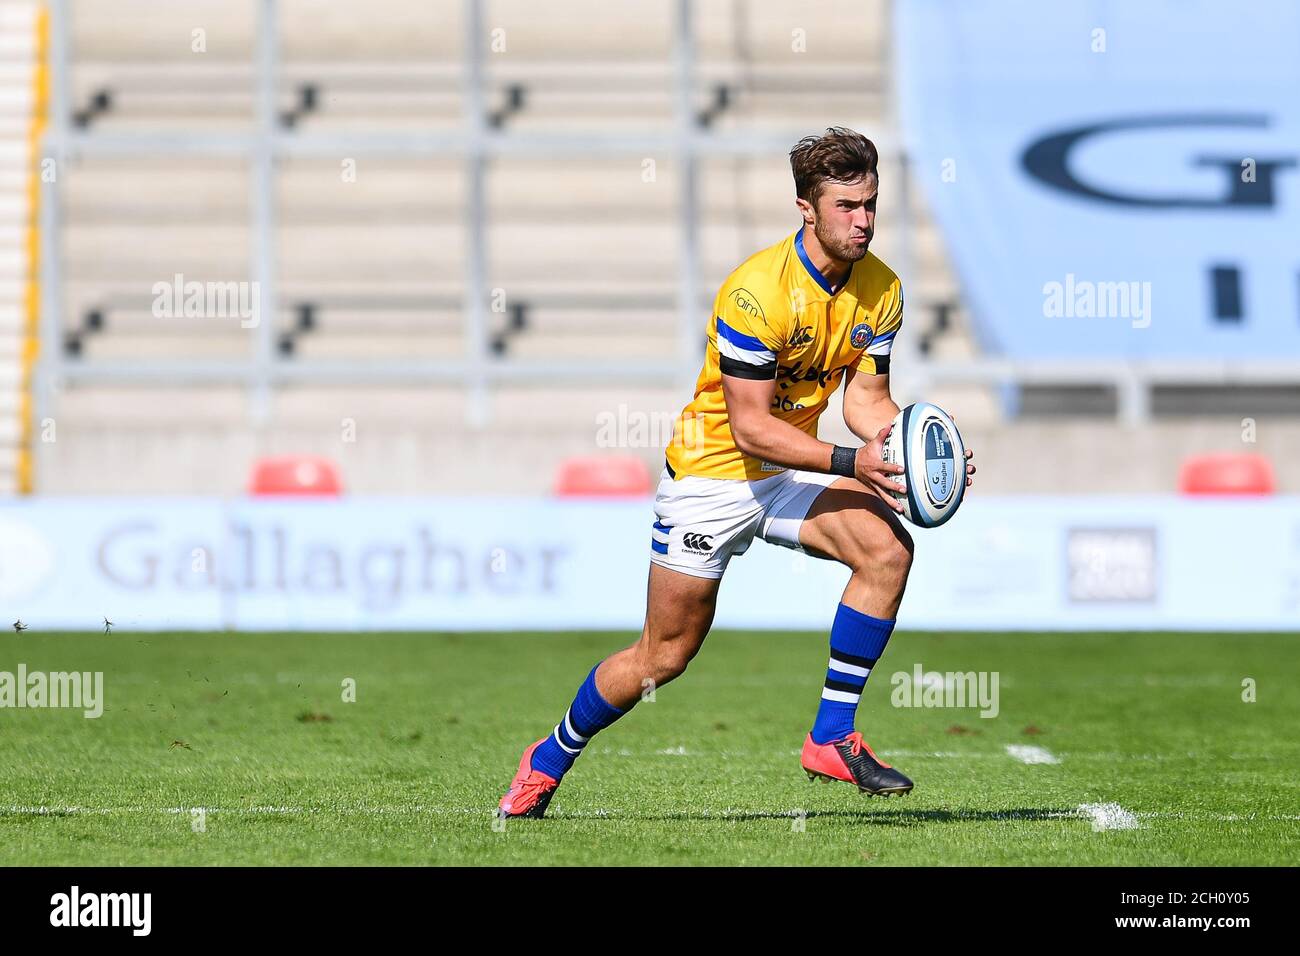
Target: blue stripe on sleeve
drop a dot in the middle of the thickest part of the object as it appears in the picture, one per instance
(739, 339)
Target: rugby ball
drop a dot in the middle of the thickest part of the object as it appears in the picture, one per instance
(925, 442)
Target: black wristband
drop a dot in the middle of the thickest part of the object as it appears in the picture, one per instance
(843, 461)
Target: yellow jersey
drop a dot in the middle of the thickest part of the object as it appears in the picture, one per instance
(776, 317)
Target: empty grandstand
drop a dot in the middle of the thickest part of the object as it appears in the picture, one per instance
(462, 226)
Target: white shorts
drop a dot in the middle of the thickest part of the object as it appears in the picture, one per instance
(702, 522)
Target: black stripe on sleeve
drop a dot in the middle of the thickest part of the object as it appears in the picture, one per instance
(882, 364)
(738, 369)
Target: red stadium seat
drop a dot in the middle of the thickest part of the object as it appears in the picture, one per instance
(602, 477)
(1227, 473)
(295, 475)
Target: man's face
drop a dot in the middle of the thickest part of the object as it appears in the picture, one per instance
(845, 218)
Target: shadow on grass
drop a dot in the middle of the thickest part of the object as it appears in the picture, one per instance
(891, 816)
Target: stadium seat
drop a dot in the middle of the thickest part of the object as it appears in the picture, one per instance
(295, 475)
(1228, 473)
(602, 477)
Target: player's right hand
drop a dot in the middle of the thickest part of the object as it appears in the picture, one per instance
(877, 474)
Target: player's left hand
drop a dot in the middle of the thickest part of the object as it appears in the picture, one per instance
(970, 469)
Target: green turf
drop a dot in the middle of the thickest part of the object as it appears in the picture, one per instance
(253, 728)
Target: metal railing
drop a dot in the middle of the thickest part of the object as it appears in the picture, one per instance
(476, 143)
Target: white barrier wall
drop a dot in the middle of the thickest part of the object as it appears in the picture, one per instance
(475, 564)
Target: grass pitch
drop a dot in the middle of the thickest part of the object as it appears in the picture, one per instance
(1149, 734)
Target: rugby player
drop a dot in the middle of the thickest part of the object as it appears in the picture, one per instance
(788, 326)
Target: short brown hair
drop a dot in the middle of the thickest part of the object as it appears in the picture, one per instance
(838, 155)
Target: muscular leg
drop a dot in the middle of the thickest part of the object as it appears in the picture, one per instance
(679, 613)
(851, 525)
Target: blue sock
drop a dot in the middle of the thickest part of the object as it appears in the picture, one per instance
(857, 641)
(588, 714)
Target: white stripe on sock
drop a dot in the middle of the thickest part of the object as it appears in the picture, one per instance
(853, 669)
(842, 696)
(563, 746)
(568, 725)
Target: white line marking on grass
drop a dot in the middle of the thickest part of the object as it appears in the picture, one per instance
(1218, 817)
(44, 811)
(1108, 816)
(943, 754)
(729, 754)
(1105, 816)
(1027, 753)
(1013, 750)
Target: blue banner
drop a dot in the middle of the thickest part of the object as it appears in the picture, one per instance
(1113, 180)
(476, 564)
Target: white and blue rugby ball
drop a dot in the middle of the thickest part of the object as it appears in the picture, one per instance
(925, 442)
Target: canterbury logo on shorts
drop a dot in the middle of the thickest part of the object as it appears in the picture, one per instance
(701, 543)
